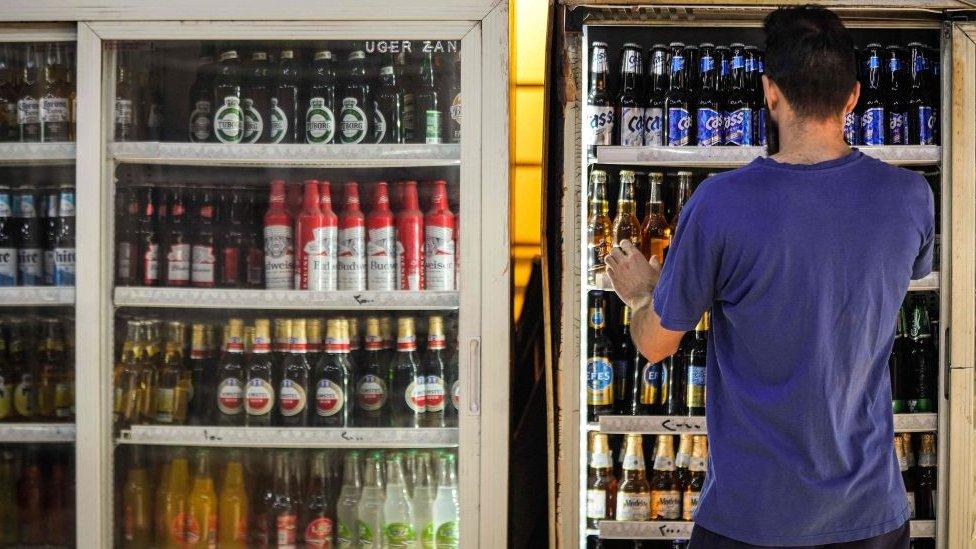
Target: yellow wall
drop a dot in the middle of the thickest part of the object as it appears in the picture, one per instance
(528, 47)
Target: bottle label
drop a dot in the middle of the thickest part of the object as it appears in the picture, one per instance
(178, 262)
(911, 502)
(695, 394)
(399, 535)
(24, 396)
(434, 394)
(123, 113)
(600, 460)
(596, 504)
(291, 398)
(599, 123)
(709, 127)
(8, 266)
(690, 504)
(28, 111)
(653, 126)
(64, 399)
(353, 121)
(48, 267)
(897, 128)
(456, 395)
(433, 127)
(448, 535)
(54, 110)
(259, 397)
(416, 394)
(631, 126)
(30, 266)
(253, 122)
(164, 404)
(650, 384)
(926, 125)
(230, 397)
(228, 121)
(738, 127)
(633, 506)
(279, 258)
(677, 63)
(926, 460)
(633, 463)
(428, 538)
(321, 253)
(665, 504)
(761, 116)
(456, 114)
(6, 399)
(319, 122)
(5, 209)
(381, 256)
(365, 535)
(379, 126)
(872, 126)
(351, 264)
(318, 532)
(286, 527)
(663, 463)
(850, 128)
(439, 257)
(679, 127)
(329, 398)
(150, 265)
(371, 393)
(344, 536)
(66, 204)
(204, 264)
(599, 385)
(279, 122)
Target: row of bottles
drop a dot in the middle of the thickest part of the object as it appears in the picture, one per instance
(37, 373)
(37, 92)
(37, 496)
(37, 235)
(917, 455)
(297, 378)
(174, 498)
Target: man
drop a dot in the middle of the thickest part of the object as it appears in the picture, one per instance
(803, 259)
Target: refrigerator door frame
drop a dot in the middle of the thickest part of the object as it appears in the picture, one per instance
(484, 320)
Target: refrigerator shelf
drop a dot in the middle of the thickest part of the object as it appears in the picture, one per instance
(34, 296)
(731, 157)
(291, 437)
(26, 154)
(284, 299)
(929, 283)
(37, 432)
(659, 529)
(665, 425)
(298, 155)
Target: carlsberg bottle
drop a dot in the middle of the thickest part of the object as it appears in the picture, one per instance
(398, 531)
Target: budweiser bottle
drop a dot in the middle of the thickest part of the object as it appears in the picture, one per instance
(293, 199)
(410, 240)
(147, 241)
(381, 246)
(233, 256)
(352, 260)
(439, 241)
(253, 246)
(328, 271)
(279, 259)
(204, 267)
(178, 251)
(127, 239)
(312, 234)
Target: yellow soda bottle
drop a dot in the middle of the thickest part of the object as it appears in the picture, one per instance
(137, 527)
(173, 508)
(201, 507)
(232, 517)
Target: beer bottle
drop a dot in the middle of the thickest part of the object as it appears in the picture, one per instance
(926, 481)
(626, 226)
(761, 110)
(254, 244)
(282, 340)
(156, 127)
(738, 113)
(674, 383)
(434, 371)
(50, 362)
(25, 395)
(454, 97)
(200, 395)
(599, 369)
(9, 515)
(381, 243)
(898, 364)
(137, 513)
(371, 388)
(229, 409)
(8, 99)
(630, 110)
(354, 345)
(351, 246)
(228, 118)
(354, 125)
(921, 104)
(347, 506)
(439, 248)
(408, 394)
(695, 354)
(126, 128)
(320, 112)
(872, 98)
(598, 113)
(63, 245)
(896, 108)
(284, 115)
(601, 484)
(410, 240)
(295, 372)
(657, 86)
(319, 513)
(259, 397)
(171, 390)
(53, 104)
(331, 376)
(627, 369)
(684, 193)
(6, 385)
(49, 224)
(908, 478)
(204, 268)
(28, 102)
(692, 57)
(430, 126)
(149, 370)
(179, 251)
(598, 227)
(922, 361)
(201, 506)
(143, 252)
(709, 126)
(677, 100)
(327, 277)
(654, 229)
(125, 378)
(256, 98)
(31, 512)
(665, 496)
(279, 242)
(30, 263)
(682, 460)
(8, 240)
(634, 493)
(200, 126)
(232, 257)
(389, 127)
(286, 505)
(232, 507)
(696, 479)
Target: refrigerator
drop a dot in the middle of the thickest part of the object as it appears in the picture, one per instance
(292, 273)
(573, 283)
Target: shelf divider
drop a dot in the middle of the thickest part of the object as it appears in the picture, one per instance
(290, 437)
(135, 296)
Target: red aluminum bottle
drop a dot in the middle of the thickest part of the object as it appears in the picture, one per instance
(352, 249)
(310, 229)
(410, 240)
(328, 273)
(279, 243)
(439, 241)
(381, 253)
(398, 195)
(293, 199)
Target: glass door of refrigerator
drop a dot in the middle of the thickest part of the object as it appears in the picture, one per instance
(37, 279)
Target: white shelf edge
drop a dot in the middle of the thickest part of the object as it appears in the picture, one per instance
(37, 432)
(916, 423)
(293, 155)
(134, 296)
(721, 156)
(664, 425)
(34, 296)
(929, 283)
(36, 153)
(663, 530)
(291, 437)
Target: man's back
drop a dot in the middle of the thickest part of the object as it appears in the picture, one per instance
(804, 267)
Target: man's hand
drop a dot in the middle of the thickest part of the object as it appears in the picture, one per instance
(632, 276)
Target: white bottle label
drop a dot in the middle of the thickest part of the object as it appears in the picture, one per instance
(653, 126)
(8, 266)
(291, 398)
(259, 397)
(54, 109)
(371, 393)
(230, 397)
(329, 398)
(631, 126)
(416, 395)
(353, 120)
(321, 252)
(279, 122)
(279, 257)
(596, 504)
(632, 506)
(381, 259)
(229, 121)
(434, 394)
(178, 262)
(200, 122)
(439, 257)
(28, 111)
(204, 264)
(598, 122)
(319, 122)
(124, 270)
(351, 264)
(253, 122)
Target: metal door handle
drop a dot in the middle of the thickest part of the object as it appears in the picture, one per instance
(474, 376)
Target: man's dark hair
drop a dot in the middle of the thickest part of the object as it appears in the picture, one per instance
(810, 56)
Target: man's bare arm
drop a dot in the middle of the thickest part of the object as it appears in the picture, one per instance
(653, 341)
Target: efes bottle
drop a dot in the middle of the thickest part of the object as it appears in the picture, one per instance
(598, 112)
(872, 98)
(630, 110)
(677, 108)
(599, 368)
(709, 128)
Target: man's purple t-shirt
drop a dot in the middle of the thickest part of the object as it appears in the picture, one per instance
(804, 268)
